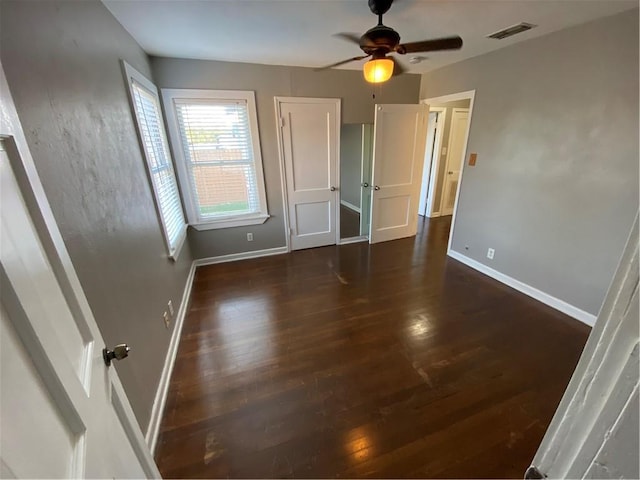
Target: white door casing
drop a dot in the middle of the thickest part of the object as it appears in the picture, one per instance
(64, 413)
(309, 136)
(366, 186)
(455, 159)
(398, 159)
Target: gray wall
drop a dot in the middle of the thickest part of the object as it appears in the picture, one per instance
(449, 106)
(267, 82)
(350, 163)
(61, 60)
(555, 126)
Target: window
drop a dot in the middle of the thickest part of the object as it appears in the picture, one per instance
(146, 106)
(214, 135)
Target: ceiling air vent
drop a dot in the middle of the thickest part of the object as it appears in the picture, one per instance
(513, 30)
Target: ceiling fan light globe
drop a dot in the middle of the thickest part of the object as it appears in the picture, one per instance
(378, 70)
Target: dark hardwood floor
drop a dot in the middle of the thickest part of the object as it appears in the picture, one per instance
(389, 360)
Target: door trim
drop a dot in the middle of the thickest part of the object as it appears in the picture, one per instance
(278, 101)
(448, 156)
(471, 96)
(435, 159)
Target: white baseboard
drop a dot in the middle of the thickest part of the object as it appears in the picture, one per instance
(240, 256)
(346, 241)
(564, 307)
(163, 387)
(350, 206)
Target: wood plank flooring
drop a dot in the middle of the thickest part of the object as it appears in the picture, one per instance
(389, 360)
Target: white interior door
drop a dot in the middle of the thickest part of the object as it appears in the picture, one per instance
(455, 158)
(398, 159)
(64, 413)
(428, 162)
(309, 139)
(594, 433)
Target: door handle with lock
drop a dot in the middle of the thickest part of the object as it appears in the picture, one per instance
(333, 189)
(119, 352)
(376, 187)
(450, 173)
(365, 185)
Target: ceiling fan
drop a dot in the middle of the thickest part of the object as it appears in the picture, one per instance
(379, 41)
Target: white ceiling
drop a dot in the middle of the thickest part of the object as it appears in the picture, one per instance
(299, 32)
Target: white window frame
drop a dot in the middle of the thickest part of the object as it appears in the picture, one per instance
(131, 75)
(169, 95)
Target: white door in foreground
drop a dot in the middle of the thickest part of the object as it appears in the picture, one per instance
(63, 412)
(398, 159)
(594, 433)
(309, 139)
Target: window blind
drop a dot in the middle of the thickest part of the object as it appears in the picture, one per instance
(215, 136)
(161, 171)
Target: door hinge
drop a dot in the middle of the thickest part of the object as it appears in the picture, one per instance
(281, 121)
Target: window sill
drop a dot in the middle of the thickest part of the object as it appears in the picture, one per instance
(179, 244)
(232, 222)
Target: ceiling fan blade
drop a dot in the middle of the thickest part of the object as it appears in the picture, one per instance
(342, 62)
(349, 37)
(398, 68)
(447, 43)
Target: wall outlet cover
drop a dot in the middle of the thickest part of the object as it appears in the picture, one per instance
(170, 307)
(490, 253)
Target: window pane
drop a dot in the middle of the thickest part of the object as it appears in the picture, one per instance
(217, 145)
(163, 179)
(225, 189)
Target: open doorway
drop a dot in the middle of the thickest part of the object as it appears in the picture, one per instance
(445, 154)
(356, 141)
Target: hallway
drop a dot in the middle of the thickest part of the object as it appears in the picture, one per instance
(386, 360)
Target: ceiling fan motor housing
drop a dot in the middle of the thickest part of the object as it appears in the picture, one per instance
(379, 39)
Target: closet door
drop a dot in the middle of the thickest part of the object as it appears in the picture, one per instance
(309, 146)
(400, 133)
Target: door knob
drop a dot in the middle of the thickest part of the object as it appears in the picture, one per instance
(450, 173)
(376, 187)
(365, 185)
(333, 189)
(118, 353)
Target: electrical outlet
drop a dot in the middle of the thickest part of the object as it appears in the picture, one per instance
(249, 237)
(170, 307)
(490, 253)
(167, 319)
